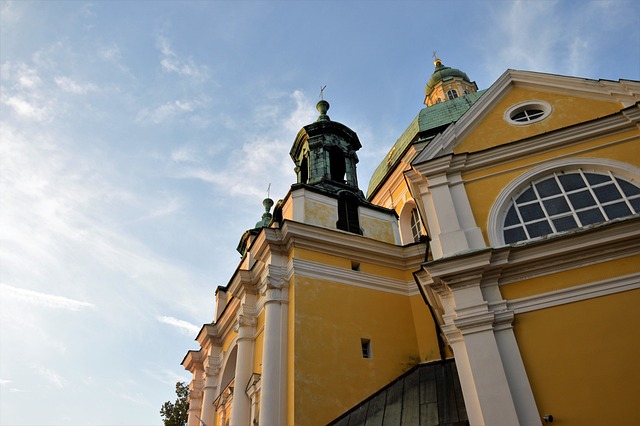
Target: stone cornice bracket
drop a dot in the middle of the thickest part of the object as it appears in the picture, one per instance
(212, 365)
(195, 389)
(209, 336)
(193, 360)
(273, 284)
(245, 327)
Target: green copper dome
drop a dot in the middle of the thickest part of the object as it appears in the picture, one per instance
(443, 73)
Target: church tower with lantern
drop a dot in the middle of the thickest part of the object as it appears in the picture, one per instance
(468, 286)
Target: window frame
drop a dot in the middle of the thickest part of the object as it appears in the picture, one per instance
(514, 189)
(529, 105)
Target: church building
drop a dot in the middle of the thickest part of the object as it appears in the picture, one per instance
(489, 276)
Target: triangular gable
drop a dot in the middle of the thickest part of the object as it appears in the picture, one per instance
(483, 126)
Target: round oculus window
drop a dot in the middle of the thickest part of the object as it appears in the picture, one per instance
(527, 112)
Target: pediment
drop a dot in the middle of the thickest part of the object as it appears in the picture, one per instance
(566, 101)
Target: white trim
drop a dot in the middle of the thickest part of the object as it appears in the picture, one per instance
(544, 106)
(323, 272)
(496, 214)
(575, 294)
(626, 92)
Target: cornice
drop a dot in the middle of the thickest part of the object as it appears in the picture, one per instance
(509, 264)
(575, 294)
(192, 360)
(351, 246)
(560, 138)
(356, 278)
(627, 93)
(209, 335)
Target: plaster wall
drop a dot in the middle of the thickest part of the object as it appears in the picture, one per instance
(483, 187)
(578, 383)
(330, 319)
(320, 214)
(571, 278)
(567, 110)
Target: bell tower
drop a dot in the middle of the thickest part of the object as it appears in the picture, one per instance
(324, 153)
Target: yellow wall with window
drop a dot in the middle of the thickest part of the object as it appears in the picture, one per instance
(567, 110)
(331, 374)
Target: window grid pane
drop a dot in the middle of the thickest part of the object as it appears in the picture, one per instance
(569, 200)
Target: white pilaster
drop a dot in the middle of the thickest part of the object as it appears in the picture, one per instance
(478, 327)
(195, 397)
(273, 405)
(212, 372)
(241, 408)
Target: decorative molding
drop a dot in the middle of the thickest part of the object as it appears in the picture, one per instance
(575, 294)
(351, 246)
(496, 214)
(627, 92)
(588, 246)
(355, 278)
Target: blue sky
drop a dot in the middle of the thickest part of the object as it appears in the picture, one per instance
(138, 140)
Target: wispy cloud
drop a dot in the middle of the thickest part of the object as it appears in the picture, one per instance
(261, 151)
(43, 299)
(183, 325)
(172, 63)
(171, 110)
(27, 108)
(52, 377)
(71, 86)
(552, 36)
(166, 376)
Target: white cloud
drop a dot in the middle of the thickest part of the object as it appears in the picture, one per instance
(172, 63)
(184, 326)
(170, 110)
(71, 86)
(166, 376)
(184, 154)
(26, 108)
(262, 153)
(43, 299)
(51, 376)
(5, 382)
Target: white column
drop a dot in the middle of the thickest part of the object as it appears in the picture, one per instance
(241, 408)
(273, 399)
(195, 397)
(210, 392)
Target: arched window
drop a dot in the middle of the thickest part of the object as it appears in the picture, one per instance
(348, 219)
(416, 225)
(336, 164)
(452, 94)
(567, 200)
(304, 170)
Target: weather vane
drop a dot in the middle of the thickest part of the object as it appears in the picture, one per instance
(435, 54)
(322, 92)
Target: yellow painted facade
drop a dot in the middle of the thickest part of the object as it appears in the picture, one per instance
(338, 297)
(582, 361)
(331, 374)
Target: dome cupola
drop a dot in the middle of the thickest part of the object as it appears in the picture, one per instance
(447, 83)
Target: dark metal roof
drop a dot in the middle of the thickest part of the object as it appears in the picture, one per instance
(428, 394)
(429, 122)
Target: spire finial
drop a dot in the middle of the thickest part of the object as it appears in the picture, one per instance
(323, 106)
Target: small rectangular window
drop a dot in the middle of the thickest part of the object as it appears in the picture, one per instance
(355, 266)
(366, 347)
